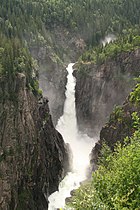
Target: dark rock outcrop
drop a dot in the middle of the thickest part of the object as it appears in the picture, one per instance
(119, 126)
(100, 87)
(33, 156)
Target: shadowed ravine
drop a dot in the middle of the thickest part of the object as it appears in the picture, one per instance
(80, 144)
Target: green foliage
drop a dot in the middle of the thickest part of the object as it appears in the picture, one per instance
(135, 95)
(114, 185)
(136, 120)
(93, 19)
(83, 198)
(124, 43)
(137, 79)
(105, 153)
(15, 58)
(34, 86)
(117, 114)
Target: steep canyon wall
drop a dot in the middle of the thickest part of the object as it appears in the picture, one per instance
(100, 87)
(33, 156)
(60, 48)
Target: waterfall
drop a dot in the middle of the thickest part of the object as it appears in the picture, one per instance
(80, 144)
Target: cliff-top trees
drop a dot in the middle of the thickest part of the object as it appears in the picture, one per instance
(93, 19)
(15, 58)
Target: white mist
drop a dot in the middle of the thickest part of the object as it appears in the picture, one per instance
(80, 144)
(109, 38)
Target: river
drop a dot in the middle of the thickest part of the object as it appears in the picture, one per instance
(81, 146)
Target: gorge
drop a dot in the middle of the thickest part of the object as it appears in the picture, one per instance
(25, 148)
(80, 146)
(46, 114)
(92, 88)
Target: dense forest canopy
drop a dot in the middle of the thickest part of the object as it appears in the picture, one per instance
(29, 20)
(123, 43)
(26, 22)
(15, 58)
(91, 18)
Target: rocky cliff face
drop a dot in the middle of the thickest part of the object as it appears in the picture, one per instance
(33, 156)
(119, 126)
(59, 49)
(100, 87)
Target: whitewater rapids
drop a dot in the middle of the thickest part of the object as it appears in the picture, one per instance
(81, 146)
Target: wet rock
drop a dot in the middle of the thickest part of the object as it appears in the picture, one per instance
(115, 130)
(100, 87)
(33, 156)
(61, 48)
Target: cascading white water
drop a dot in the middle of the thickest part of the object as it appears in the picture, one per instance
(80, 144)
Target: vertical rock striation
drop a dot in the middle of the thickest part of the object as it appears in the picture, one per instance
(100, 87)
(33, 156)
(60, 48)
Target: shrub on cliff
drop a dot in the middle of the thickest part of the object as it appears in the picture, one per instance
(115, 185)
(135, 95)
